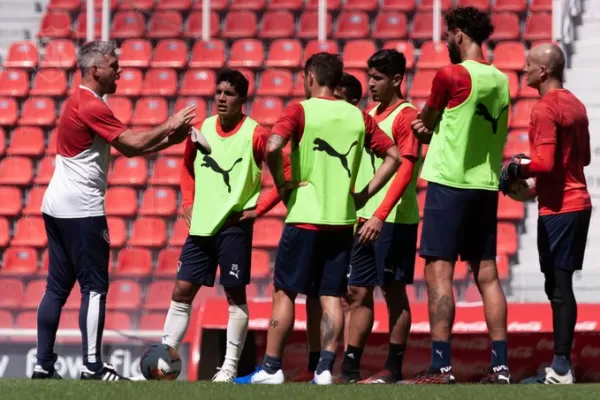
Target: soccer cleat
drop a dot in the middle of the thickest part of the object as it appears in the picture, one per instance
(324, 378)
(432, 376)
(260, 376)
(345, 380)
(40, 373)
(384, 376)
(304, 376)
(548, 376)
(224, 375)
(107, 373)
(499, 375)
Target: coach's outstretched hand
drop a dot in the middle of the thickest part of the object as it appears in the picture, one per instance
(182, 118)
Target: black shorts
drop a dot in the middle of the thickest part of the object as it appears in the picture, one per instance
(230, 248)
(390, 258)
(459, 222)
(313, 263)
(562, 239)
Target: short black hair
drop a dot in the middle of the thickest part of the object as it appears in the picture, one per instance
(235, 79)
(389, 62)
(352, 86)
(474, 23)
(328, 69)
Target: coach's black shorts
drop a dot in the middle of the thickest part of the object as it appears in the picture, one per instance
(459, 222)
(562, 239)
(231, 249)
(78, 250)
(390, 258)
(314, 263)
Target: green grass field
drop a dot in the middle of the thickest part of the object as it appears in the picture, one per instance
(18, 389)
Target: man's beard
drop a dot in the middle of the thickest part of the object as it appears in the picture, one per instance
(454, 53)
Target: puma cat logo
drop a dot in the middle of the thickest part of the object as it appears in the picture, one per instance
(322, 145)
(484, 112)
(210, 162)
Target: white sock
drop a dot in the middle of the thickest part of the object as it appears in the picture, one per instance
(176, 324)
(237, 328)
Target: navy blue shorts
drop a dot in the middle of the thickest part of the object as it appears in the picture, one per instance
(562, 239)
(231, 249)
(390, 258)
(459, 222)
(313, 262)
(78, 250)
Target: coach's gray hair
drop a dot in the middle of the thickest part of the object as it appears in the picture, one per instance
(91, 53)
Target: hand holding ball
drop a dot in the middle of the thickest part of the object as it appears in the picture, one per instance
(518, 189)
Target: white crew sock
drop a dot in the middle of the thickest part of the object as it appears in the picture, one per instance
(176, 324)
(237, 328)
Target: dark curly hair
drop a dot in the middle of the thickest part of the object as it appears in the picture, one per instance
(474, 23)
(388, 61)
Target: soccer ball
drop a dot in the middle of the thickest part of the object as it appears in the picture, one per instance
(160, 362)
(522, 189)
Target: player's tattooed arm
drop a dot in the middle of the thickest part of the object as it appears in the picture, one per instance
(274, 158)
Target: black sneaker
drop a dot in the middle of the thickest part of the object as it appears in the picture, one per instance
(432, 376)
(499, 375)
(107, 373)
(40, 373)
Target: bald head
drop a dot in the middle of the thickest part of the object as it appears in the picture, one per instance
(551, 57)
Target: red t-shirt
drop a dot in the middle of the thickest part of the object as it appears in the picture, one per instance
(559, 142)
(451, 86)
(290, 126)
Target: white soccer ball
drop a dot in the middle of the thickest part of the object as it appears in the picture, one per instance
(160, 362)
(523, 189)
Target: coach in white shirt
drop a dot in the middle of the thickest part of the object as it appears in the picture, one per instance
(73, 206)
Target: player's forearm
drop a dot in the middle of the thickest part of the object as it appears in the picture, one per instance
(274, 158)
(384, 173)
(153, 140)
(187, 185)
(397, 188)
(266, 201)
(430, 117)
(542, 163)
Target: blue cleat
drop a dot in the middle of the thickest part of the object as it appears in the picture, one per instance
(260, 376)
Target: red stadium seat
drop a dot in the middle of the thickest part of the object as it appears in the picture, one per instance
(267, 232)
(357, 52)
(158, 296)
(150, 111)
(55, 25)
(421, 201)
(352, 25)
(45, 261)
(11, 203)
(240, 25)
(25, 320)
(4, 233)
(509, 209)
(11, 293)
(166, 171)
(540, 5)
(522, 113)
(22, 54)
(503, 267)
(118, 321)
(30, 231)
(518, 6)
(254, 5)
(160, 201)
(117, 231)
(33, 293)
(362, 77)
(427, 5)
(421, 85)
(134, 262)
(390, 25)
(517, 142)
(298, 88)
(74, 299)
(513, 83)
(66, 5)
(291, 5)
(112, 4)
(362, 5)
(121, 202)
(165, 24)
(130, 82)
(121, 108)
(179, 233)
(179, 5)
(168, 260)
(14, 83)
(471, 294)
(2, 133)
(422, 26)
(170, 53)
(209, 54)
(247, 53)
(16, 171)
(198, 82)
(194, 25)
(124, 295)
(538, 26)
(249, 74)
(507, 238)
(38, 111)
(21, 261)
(141, 5)
(70, 320)
(507, 26)
(128, 25)
(314, 47)
(49, 82)
(333, 5)
(483, 5)
(284, 53)
(45, 170)
(275, 82)
(526, 91)
(76, 80)
(509, 55)
(261, 264)
(405, 47)
(148, 232)
(182, 102)
(81, 25)
(406, 6)
(59, 53)
(277, 24)
(433, 56)
(152, 321)
(135, 53)
(8, 116)
(308, 25)
(160, 82)
(266, 110)
(26, 141)
(34, 201)
(128, 171)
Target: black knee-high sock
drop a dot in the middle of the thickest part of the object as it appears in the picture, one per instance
(564, 314)
(48, 317)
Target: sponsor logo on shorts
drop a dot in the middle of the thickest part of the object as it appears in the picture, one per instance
(235, 271)
(179, 264)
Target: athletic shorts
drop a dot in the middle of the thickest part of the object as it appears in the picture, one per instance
(390, 258)
(78, 250)
(562, 239)
(231, 249)
(313, 262)
(459, 223)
